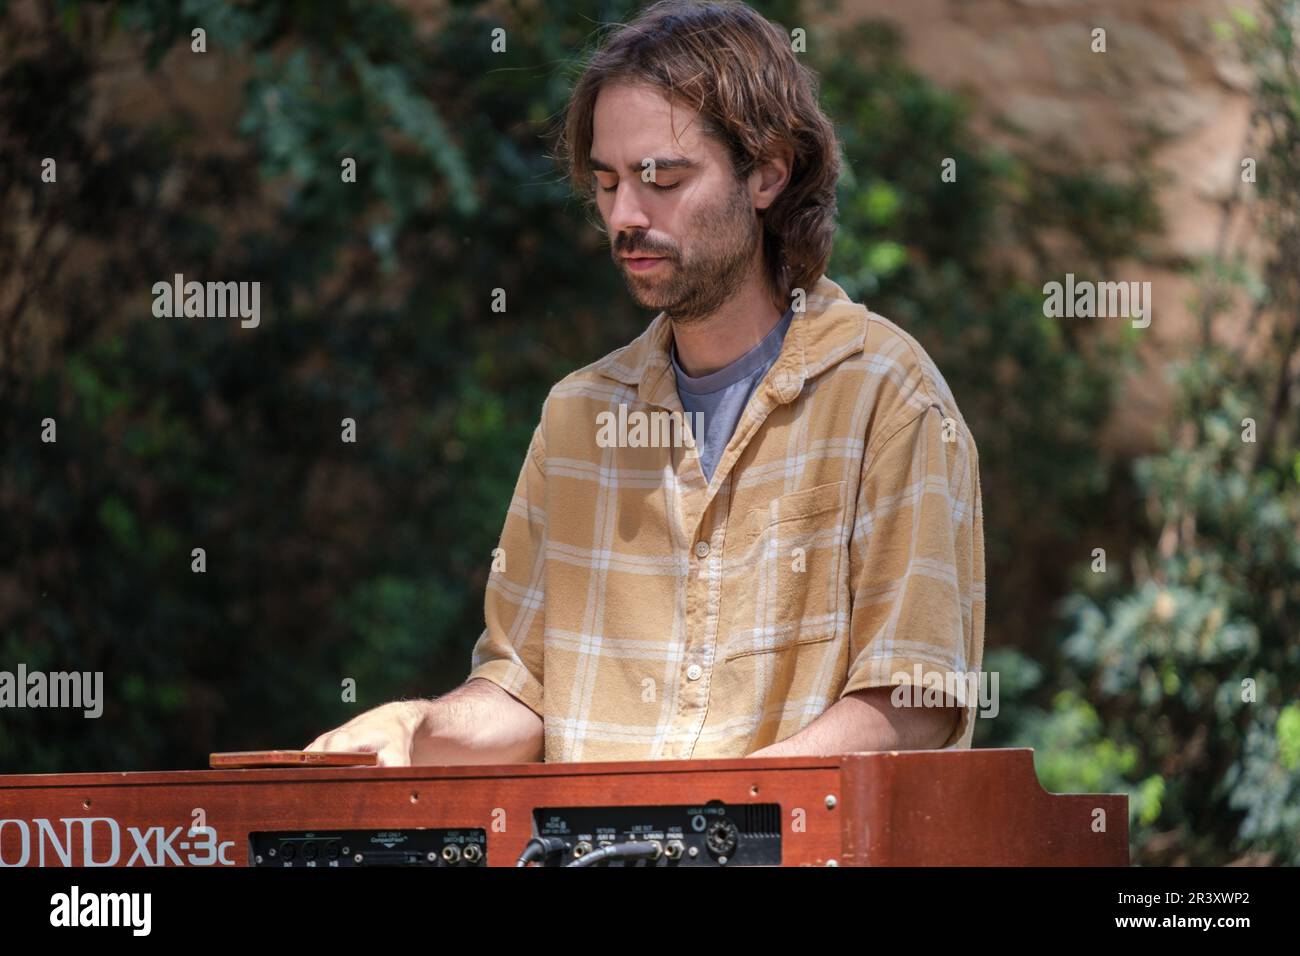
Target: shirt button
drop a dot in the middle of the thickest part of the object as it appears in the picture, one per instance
(701, 549)
(694, 671)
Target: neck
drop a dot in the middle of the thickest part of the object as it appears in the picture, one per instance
(714, 342)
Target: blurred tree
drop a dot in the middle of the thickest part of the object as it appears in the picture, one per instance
(1179, 683)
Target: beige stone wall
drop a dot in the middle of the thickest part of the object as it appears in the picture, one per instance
(1164, 71)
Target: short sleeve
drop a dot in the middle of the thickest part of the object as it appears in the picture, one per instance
(509, 651)
(916, 562)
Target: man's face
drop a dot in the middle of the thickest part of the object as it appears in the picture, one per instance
(696, 220)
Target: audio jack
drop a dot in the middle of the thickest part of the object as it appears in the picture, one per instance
(629, 850)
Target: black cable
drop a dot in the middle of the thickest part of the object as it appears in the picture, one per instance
(627, 850)
(541, 847)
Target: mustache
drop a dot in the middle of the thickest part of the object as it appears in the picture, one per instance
(634, 246)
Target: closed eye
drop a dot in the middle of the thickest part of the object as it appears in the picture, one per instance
(610, 189)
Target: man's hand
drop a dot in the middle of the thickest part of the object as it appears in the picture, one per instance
(475, 723)
(387, 730)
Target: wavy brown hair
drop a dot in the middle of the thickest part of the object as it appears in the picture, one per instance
(738, 73)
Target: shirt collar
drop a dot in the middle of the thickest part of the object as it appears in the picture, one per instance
(831, 328)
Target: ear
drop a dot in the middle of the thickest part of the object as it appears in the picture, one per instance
(770, 177)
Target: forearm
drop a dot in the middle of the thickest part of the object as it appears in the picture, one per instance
(868, 720)
(477, 723)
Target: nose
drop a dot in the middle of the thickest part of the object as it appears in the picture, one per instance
(626, 213)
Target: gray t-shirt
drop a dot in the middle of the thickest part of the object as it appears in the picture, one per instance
(722, 395)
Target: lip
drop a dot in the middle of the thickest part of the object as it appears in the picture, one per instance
(641, 263)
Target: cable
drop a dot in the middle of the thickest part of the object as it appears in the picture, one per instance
(627, 850)
(541, 847)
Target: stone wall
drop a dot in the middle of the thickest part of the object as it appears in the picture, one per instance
(1165, 72)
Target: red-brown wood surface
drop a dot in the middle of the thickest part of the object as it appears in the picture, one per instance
(922, 808)
(500, 799)
(918, 807)
(244, 759)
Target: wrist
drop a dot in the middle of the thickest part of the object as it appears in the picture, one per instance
(413, 715)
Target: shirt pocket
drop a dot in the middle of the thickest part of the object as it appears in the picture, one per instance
(785, 587)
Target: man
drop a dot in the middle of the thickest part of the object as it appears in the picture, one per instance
(806, 534)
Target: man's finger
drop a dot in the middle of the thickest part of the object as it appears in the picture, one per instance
(393, 755)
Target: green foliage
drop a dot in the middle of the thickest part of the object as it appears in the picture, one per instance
(1192, 664)
(325, 560)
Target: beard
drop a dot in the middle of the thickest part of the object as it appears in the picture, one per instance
(689, 287)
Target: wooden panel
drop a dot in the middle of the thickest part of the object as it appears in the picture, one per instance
(499, 799)
(922, 808)
(974, 807)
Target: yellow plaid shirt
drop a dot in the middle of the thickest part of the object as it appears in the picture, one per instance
(645, 613)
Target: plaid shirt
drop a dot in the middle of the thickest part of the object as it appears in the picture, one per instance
(645, 613)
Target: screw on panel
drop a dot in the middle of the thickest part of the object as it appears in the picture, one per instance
(830, 801)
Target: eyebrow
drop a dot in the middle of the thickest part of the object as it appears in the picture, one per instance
(659, 164)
